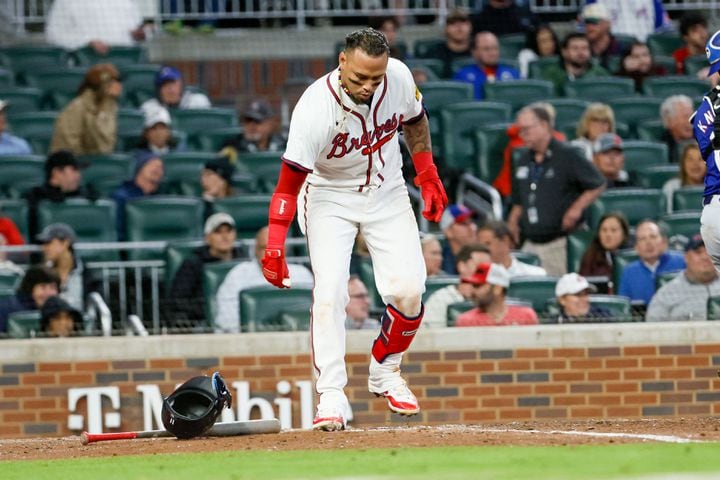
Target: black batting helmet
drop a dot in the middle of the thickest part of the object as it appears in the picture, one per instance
(194, 406)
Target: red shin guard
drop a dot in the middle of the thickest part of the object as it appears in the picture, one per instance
(396, 332)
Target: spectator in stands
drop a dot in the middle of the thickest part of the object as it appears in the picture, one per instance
(157, 134)
(88, 124)
(637, 63)
(597, 119)
(692, 173)
(187, 299)
(100, 24)
(147, 176)
(609, 158)
(460, 230)
(63, 180)
(216, 181)
(552, 186)
(9, 143)
(694, 32)
(432, 253)
(495, 235)
(170, 92)
(685, 297)
(603, 44)
(489, 283)
(248, 274)
(486, 52)
(639, 18)
(613, 234)
(503, 17)
(390, 26)
(59, 319)
(576, 63)
(38, 284)
(458, 30)
(540, 42)
(9, 236)
(675, 112)
(259, 132)
(638, 278)
(466, 261)
(358, 307)
(572, 293)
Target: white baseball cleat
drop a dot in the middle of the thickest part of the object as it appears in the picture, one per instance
(400, 399)
(328, 420)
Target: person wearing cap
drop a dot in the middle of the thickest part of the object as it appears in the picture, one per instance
(609, 159)
(59, 319)
(637, 18)
(187, 299)
(495, 236)
(694, 32)
(170, 93)
(458, 225)
(572, 292)
(436, 306)
(248, 274)
(10, 144)
(38, 284)
(147, 177)
(638, 278)
(575, 63)
(457, 45)
(595, 20)
(685, 297)
(216, 179)
(56, 241)
(259, 132)
(487, 67)
(88, 124)
(157, 136)
(490, 282)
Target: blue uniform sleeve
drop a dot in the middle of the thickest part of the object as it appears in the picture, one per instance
(703, 124)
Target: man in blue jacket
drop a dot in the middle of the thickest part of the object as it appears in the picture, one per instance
(486, 52)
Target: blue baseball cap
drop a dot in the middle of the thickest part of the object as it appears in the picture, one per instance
(712, 50)
(455, 213)
(167, 74)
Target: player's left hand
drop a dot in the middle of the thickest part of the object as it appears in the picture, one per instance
(275, 269)
(433, 194)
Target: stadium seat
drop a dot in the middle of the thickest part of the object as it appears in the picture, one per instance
(424, 48)
(59, 85)
(664, 278)
(454, 310)
(21, 99)
(634, 110)
(17, 211)
(261, 308)
(713, 308)
(694, 64)
(18, 174)
(664, 43)
(537, 66)
(367, 275)
(175, 254)
(139, 82)
(526, 257)
(618, 306)
(519, 93)
(666, 61)
(600, 89)
(458, 121)
(35, 127)
(568, 110)
(641, 153)
(636, 203)
(685, 224)
(9, 279)
(688, 198)
(213, 139)
(577, 242)
(196, 121)
(662, 87)
(263, 166)
(120, 56)
(438, 94)
(296, 319)
(655, 176)
(249, 211)
(434, 65)
(182, 172)
(534, 289)
(650, 130)
(23, 58)
(106, 172)
(25, 324)
(621, 260)
(433, 284)
(162, 218)
(511, 44)
(7, 79)
(213, 275)
(130, 120)
(490, 141)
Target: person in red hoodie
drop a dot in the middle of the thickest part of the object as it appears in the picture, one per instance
(503, 182)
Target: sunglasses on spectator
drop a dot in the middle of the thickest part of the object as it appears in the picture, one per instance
(593, 21)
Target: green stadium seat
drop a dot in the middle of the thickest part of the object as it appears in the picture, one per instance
(9, 280)
(511, 44)
(713, 308)
(17, 211)
(162, 218)
(536, 67)
(35, 127)
(577, 242)
(459, 121)
(296, 319)
(621, 260)
(664, 43)
(636, 203)
(534, 289)
(175, 254)
(568, 110)
(694, 64)
(438, 94)
(433, 65)
(130, 120)
(686, 223)
(59, 85)
(454, 310)
(182, 172)
(196, 121)
(106, 172)
(688, 198)
(650, 130)
(662, 87)
(263, 166)
(23, 58)
(249, 211)
(526, 257)
(212, 140)
(7, 79)
(641, 153)
(600, 89)
(664, 278)
(433, 284)
(655, 176)
(18, 174)
(666, 61)
(618, 306)
(425, 47)
(21, 99)
(261, 308)
(139, 82)
(213, 275)
(24, 324)
(367, 275)
(519, 93)
(460, 63)
(490, 141)
(120, 56)
(634, 110)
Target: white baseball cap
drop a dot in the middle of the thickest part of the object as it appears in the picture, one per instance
(596, 11)
(216, 220)
(157, 115)
(572, 284)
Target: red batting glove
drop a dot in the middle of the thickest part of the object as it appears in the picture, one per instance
(275, 269)
(431, 188)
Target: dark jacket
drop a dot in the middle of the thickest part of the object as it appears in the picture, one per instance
(17, 303)
(50, 193)
(127, 191)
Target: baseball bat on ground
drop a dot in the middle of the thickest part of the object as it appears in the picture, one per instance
(227, 429)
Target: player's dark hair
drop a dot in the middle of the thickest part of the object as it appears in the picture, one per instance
(572, 36)
(369, 41)
(689, 20)
(466, 252)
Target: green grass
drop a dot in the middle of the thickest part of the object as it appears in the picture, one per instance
(609, 462)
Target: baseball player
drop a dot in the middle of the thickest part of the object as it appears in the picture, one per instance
(706, 129)
(343, 151)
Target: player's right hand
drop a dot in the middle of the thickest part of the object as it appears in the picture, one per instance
(275, 269)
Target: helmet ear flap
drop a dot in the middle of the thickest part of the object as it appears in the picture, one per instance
(192, 409)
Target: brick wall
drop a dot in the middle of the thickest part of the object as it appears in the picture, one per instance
(454, 386)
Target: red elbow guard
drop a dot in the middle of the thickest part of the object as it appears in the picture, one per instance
(396, 333)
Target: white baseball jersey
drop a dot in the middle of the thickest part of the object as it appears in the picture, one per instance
(348, 145)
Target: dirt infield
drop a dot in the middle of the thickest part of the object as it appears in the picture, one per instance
(675, 430)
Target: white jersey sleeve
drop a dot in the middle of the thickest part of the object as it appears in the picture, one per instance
(411, 103)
